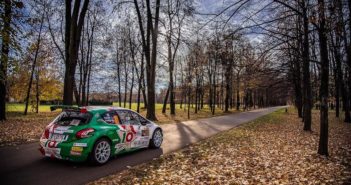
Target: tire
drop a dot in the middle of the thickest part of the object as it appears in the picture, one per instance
(101, 152)
(156, 140)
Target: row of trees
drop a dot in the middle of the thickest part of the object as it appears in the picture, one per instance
(227, 71)
(220, 68)
(314, 39)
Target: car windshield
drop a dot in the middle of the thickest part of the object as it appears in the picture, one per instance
(72, 118)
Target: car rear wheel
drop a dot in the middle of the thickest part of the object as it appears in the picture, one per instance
(157, 138)
(101, 152)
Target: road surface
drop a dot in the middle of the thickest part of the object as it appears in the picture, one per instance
(24, 164)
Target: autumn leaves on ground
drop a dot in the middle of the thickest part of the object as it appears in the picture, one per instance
(270, 150)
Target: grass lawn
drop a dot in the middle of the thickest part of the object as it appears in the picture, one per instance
(270, 150)
(20, 128)
(19, 107)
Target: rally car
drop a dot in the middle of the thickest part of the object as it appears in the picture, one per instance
(97, 133)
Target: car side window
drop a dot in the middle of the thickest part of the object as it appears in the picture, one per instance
(134, 118)
(111, 118)
(107, 117)
(124, 116)
(128, 117)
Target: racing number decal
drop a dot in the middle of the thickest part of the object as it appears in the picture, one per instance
(129, 137)
(128, 133)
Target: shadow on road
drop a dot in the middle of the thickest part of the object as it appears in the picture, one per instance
(40, 170)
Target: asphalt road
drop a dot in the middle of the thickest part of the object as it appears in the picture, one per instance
(24, 164)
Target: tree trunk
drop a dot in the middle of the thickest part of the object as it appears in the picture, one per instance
(196, 95)
(150, 59)
(152, 67)
(349, 59)
(143, 90)
(125, 83)
(214, 83)
(227, 85)
(296, 75)
(37, 92)
(131, 90)
(323, 45)
(297, 71)
(33, 66)
(140, 84)
(138, 97)
(210, 93)
(307, 98)
(165, 100)
(6, 40)
(76, 93)
(119, 84)
(337, 89)
(73, 30)
(172, 95)
(171, 69)
(88, 83)
(346, 98)
(339, 82)
(87, 65)
(238, 93)
(189, 98)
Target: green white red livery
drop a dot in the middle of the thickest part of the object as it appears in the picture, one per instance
(97, 133)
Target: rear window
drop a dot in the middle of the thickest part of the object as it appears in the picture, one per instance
(72, 118)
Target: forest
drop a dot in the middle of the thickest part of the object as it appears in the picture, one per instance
(240, 55)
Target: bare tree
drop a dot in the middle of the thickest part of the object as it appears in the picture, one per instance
(150, 51)
(73, 30)
(34, 65)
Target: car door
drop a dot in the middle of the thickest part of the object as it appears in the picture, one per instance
(135, 134)
(113, 121)
(142, 131)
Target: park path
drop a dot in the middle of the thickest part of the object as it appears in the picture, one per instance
(24, 164)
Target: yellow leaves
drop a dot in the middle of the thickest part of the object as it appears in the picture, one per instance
(271, 150)
(19, 129)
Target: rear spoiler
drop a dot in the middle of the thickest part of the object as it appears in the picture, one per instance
(64, 107)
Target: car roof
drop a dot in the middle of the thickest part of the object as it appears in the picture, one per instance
(103, 108)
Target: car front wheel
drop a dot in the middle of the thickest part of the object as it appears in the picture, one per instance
(157, 138)
(101, 152)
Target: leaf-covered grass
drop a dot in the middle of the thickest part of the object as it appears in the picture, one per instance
(18, 128)
(270, 150)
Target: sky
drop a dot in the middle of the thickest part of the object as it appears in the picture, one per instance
(246, 16)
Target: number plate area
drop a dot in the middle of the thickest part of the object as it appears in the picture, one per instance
(58, 137)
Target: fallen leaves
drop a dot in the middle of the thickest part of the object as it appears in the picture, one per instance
(20, 129)
(270, 150)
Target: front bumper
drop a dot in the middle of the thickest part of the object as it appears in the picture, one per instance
(77, 151)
